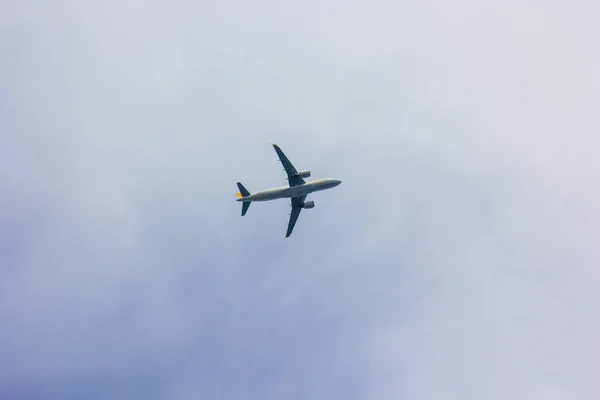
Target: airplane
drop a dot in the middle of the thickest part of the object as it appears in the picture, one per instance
(297, 190)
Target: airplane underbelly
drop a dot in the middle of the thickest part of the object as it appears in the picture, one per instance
(303, 190)
(270, 195)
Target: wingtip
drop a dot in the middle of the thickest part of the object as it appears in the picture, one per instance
(272, 144)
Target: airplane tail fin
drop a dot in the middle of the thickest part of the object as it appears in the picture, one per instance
(243, 193)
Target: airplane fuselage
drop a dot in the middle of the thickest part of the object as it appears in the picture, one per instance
(284, 192)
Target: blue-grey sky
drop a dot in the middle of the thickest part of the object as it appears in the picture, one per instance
(458, 260)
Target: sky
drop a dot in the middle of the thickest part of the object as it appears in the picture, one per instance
(459, 258)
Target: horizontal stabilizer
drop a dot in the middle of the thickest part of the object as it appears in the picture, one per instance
(243, 191)
(245, 206)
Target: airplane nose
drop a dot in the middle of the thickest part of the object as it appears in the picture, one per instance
(337, 182)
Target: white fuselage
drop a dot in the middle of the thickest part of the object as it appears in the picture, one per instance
(292, 191)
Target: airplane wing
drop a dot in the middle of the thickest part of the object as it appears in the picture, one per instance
(296, 208)
(293, 178)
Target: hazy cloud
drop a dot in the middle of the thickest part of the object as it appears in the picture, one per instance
(457, 260)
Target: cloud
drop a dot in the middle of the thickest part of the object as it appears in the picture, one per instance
(457, 260)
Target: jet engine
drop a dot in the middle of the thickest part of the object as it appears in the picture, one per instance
(308, 204)
(304, 174)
